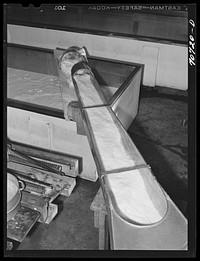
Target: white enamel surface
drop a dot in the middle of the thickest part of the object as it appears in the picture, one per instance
(88, 92)
(66, 64)
(132, 197)
(108, 139)
(50, 133)
(170, 61)
(36, 88)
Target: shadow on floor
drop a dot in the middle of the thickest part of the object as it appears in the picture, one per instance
(161, 158)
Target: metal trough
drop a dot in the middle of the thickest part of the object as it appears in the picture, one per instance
(128, 182)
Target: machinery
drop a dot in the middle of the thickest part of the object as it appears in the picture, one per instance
(53, 142)
(46, 131)
(60, 127)
(125, 177)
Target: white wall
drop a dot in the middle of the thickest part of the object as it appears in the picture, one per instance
(50, 133)
(165, 64)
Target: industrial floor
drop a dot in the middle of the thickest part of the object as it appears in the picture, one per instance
(160, 133)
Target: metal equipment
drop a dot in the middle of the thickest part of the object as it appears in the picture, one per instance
(169, 232)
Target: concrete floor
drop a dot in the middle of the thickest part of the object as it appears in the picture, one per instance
(72, 228)
(160, 133)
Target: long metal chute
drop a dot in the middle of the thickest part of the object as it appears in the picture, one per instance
(126, 232)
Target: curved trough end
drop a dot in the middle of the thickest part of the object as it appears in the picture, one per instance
(142, 215)
(137, 197)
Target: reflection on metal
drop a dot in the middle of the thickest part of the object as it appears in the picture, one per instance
(124, 76)
(167, 233)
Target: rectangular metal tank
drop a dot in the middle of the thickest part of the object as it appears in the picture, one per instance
(35, 113)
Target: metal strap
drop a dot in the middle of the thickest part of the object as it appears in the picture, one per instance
(140, 166)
